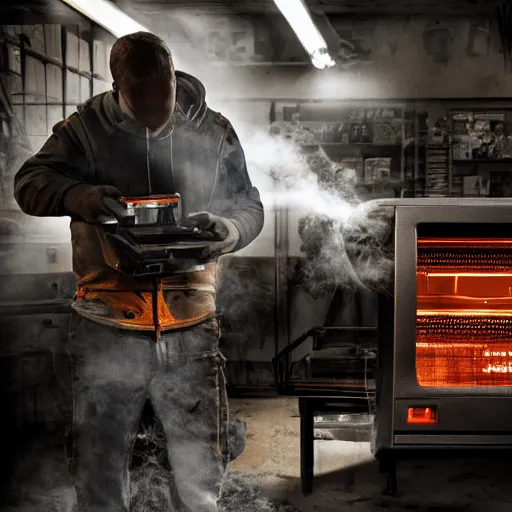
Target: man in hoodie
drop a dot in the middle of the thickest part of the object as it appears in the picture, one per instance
(153, 134)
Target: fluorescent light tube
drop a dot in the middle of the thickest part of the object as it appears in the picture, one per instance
(297, 15)
(107, 15)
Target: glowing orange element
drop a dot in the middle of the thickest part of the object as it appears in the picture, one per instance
(161, 200)
(464, 312)
(422, 415)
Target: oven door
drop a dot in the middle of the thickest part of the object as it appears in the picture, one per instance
(453, 322)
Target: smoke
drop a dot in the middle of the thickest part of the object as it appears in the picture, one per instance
(345, 241)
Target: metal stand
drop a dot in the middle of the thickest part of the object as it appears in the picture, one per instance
(319, 395)
(388, 466)
(307, 439)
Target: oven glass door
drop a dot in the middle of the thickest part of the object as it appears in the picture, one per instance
(463, 307)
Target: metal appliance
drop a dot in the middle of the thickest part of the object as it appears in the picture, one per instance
(149, 237)
(444, 368)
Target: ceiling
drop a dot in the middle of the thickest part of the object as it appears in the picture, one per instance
(378, 7)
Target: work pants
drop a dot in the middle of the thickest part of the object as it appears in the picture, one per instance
(114, 372)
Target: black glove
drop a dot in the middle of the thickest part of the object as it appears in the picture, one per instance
(88, 201)
(222, 228)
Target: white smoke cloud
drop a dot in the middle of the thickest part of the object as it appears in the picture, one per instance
(343, 238)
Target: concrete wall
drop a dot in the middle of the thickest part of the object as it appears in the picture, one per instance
(405, 58)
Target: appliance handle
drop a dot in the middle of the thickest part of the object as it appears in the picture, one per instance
(118, 210)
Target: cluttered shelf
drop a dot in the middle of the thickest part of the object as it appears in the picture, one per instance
(470, 161)
(351, 144)
(367, 141)
(481, 152)
(481, 136)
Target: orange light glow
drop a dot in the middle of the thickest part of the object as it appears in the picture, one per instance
(422, 415)
(464, 312)
(161, 200)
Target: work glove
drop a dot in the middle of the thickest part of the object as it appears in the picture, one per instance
(91, 202)
(223, 229)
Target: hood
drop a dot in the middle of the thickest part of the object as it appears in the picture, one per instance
(190, 109)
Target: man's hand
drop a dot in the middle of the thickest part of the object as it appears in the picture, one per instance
(88, 201)
(223, 229)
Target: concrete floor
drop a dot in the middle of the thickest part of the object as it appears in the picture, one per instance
(347, 476)
(265, 478)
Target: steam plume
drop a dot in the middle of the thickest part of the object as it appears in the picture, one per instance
(344, 240)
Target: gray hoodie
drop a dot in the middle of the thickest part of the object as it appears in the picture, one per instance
(198, 155)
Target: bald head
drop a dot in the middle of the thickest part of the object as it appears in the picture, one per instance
(143, 72)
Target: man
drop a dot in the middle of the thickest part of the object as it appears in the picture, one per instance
(153, 134)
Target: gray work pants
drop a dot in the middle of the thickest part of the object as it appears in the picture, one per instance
(114, 372)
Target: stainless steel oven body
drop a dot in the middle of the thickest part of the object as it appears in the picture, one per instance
(445, 336)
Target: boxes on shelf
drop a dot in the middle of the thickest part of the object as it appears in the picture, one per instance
(375, 126)
(476, 186)
(437, 171)
(377, 169)
(461, 148)
(357, 115)
(335, 133)
(53, 41)
(298, 133)
(360, 133)
(480, 135)
(387, 132)
(504, 147)
(54, 85)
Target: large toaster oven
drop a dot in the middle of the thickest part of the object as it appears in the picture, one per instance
(444, 371)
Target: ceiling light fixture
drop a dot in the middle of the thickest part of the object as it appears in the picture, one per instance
(297, 15)
(107, 15)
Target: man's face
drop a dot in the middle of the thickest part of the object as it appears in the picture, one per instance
(151, 105)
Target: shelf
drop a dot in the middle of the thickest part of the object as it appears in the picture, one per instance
(482, 161)
(390, 183)
(350, 144)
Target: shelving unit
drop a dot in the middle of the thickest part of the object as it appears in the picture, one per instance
(438, 170)
(476, 172)
(368, 137)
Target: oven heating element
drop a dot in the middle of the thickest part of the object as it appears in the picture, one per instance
(464, 312)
